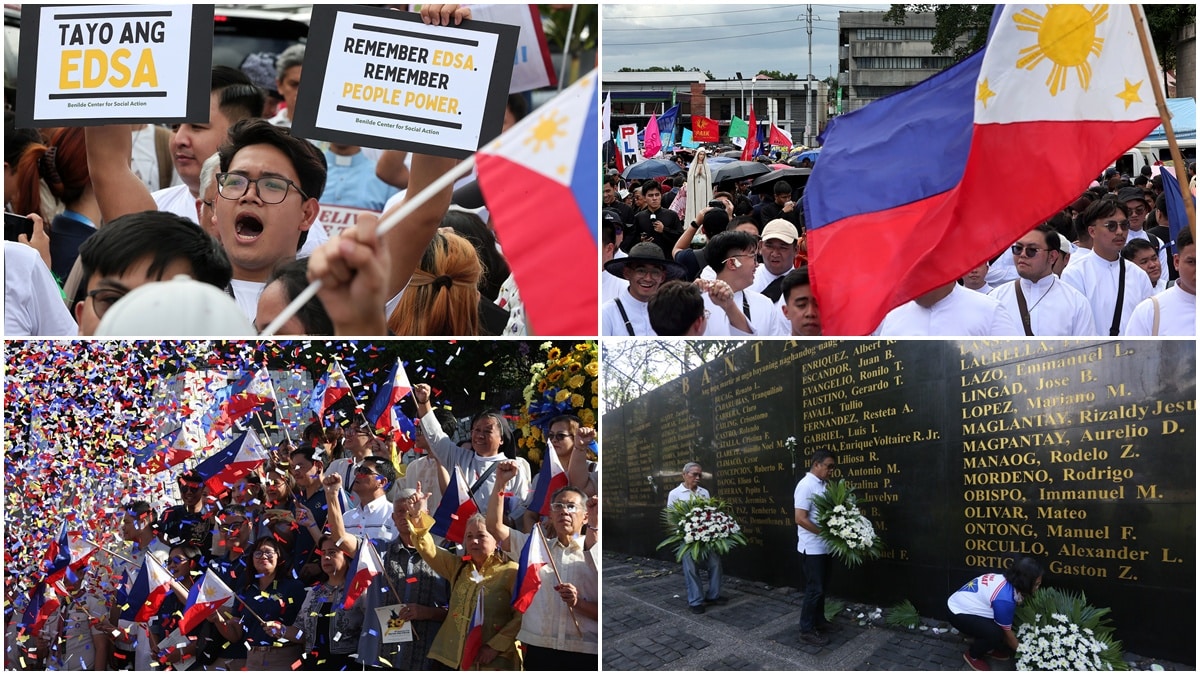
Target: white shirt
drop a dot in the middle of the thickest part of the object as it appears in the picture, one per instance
(178, 199)
(810, 486)
(372, 520)
(611, 286)
(763, 278)
(424, 470)
(144, 162)
(1002, 271)
(1161, 286)
(246, 293)
(1055, 309)
(612, 323)
(1162, 248)
(1096, 278)
(472, 465)
(1176, 314)
(962, 312)
(985, 289)
(547, 623)
(765, 318)
(682, 494)
(33, 305)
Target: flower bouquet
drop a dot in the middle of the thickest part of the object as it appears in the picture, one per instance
(566, 383)
(850, 536)
(1058, 630)
(699, 526)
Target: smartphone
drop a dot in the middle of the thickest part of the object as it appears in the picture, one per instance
(717, 203)
(15, 225)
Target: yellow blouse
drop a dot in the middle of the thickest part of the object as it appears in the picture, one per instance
(501, 622)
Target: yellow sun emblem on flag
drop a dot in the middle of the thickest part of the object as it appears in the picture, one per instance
(549, 127)
(1067, 36)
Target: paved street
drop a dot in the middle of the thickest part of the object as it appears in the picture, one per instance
(647, 626)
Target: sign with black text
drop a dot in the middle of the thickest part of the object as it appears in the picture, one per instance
(383, 79)
(113, 64)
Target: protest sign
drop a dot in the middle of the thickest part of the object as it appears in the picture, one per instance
(532, 68)
(113, 64)
(383, 79)
(336, 218)
(627, 143)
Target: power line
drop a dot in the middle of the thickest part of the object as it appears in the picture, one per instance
(709, 39)
(689, 28)
(728, 11)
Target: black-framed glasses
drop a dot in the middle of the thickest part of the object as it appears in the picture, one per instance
(561, 436)
(266, 554)
(1028, 251)
(190, 487)
(366, 471)
(103, 299)
(1138, 211)
(1113, 225)
(271, 189)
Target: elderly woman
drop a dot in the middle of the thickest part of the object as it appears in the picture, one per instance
(483, 572)
(328, 632)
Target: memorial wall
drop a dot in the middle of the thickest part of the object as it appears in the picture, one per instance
(963, 454)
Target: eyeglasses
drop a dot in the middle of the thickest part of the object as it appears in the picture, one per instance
(270, 555)
(366, 471)
(190, 487)
(1138, 211)
(648, 271)
(560, 436)
(1112, 225)
(739, 255)
(233, 527)
(695, 474)
(103, 299)
(1029, 251)
(179, 560)
(567, 507)
(271, 189)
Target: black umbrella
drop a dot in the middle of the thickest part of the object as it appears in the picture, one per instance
(652, 168)
(797, 178)
(738, 170)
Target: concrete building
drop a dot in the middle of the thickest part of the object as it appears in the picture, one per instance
(637, 96)
(877, 57)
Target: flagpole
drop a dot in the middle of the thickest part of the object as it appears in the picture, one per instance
(1160, 101)
(107, 550)
(278, 414)
(554, 567)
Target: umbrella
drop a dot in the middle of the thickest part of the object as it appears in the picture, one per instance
(652, 168)
(774, 167)
(738, 170)
(811, 155)
(732, 153)
(797, 178)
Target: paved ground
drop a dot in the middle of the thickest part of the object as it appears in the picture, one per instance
(647, 625)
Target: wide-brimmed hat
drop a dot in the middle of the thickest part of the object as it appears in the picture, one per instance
(645, 253)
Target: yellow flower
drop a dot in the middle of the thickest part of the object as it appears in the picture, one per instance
(583, 347)
(575, 382)
(576, 401)
(542, 386)
(535, 455)
(595, 386)
(575, 367)
(595, 402)
(587, 417)
(554, 377)
(554, 353)
(592, 369)
(562, 395)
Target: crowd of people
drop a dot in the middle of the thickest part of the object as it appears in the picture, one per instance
(1105, 265)
(235, 203)
(285, 537)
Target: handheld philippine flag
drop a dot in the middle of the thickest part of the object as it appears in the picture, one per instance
(751, 148)
(204, 599)
(248, 393)
(550, 158)
(779, 137)
(382, 412)
(534, 557)
(550, 479)
(450, 519)
(225, 468)
(365, 567)
(42, 605)
(705, 130)
(474, 641)
(652, 143)
(1062, 87)
(150, 587)
(58, 556)
(176, 447)
(332, 386)
(1177, 218)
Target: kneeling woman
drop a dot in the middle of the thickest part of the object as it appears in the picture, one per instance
(984, 609)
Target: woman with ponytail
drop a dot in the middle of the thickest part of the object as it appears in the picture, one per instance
(442, 298)
(62, 164)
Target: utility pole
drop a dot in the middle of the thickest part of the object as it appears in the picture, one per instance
(809, 117)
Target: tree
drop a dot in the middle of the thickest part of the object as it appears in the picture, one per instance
(776, 75)
(972, 21)
(633, 369)
(557, 18)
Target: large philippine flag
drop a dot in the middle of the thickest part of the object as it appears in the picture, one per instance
(382, 413)
(534, 557)
(232, 463)
(450, 519)
(365, 567)
(551, 478)
(917, 188)
(552, 159)
(205, 598)
(329, 390)
(151, 586)
(474, 639)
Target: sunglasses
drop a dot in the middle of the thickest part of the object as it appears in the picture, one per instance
(186, 487)
(1113, 225)
(1028, 251)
